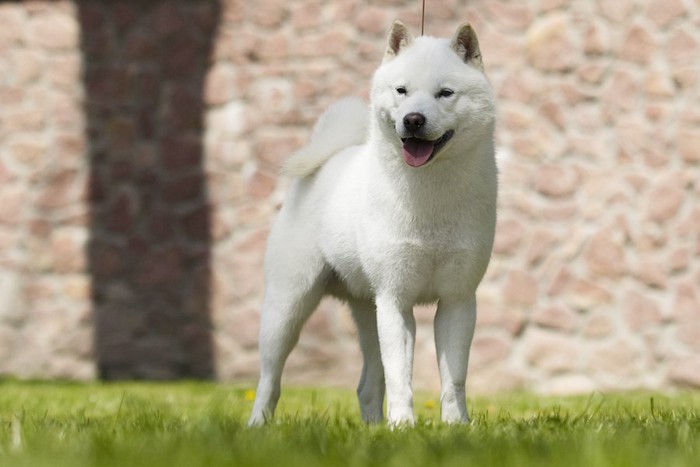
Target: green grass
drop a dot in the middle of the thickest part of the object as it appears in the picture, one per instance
(197, 424)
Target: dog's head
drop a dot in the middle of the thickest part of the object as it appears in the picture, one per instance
(430, 96)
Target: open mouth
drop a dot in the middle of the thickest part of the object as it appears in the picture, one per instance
(418, 152)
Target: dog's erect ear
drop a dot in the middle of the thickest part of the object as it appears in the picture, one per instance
(466, 45)
(399, 37)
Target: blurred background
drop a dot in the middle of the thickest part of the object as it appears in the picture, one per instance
(140, 144)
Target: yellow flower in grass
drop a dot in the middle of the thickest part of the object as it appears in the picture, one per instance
(249, 395)
(429, 404)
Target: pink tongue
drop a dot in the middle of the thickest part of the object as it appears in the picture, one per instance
(416, 152)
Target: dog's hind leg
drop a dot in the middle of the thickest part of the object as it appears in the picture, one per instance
(454, 330)
(287, 305)
(370, 391)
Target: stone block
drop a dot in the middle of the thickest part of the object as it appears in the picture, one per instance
(53, 30)
(307, 14)
(332, 43)
(261, 185)
(542, 245)
(61, 188)
(183, 110)
(509, 15)
(12, 208)
(639, 44)
(599, 325)
(373, 20)
(550, 351)
(619, 358)
(68, 247)
(605, 254)
(159, 267)
(120, 134)
(12, 24)
(276, 147)
(685, 372)
(556, 317)
(180, 154)
(31, 154)
(196, 225)
(686, 311)
(187, 188)
(106, 261)
(641, 311)
(679, 260)
(219, 86)
(585, 294)
(616, 11)
(688, 141)
(651, 273)
(682, 47)
(509, 236)
(666, 198)
(26, 65)
(664, 12)
(65, 70)
(658, 82)
(275, 94)
(121, 214)
(690, 224)
(596, 39)
(550, 46)
(620, 93)
(556, 181)
(493, 314)
(78, 287)
(520, 288)
(554, 113)
(488, 350)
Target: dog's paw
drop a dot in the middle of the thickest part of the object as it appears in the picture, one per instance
(400, 418)
(257, 420)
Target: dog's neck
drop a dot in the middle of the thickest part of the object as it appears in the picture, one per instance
(436, 191)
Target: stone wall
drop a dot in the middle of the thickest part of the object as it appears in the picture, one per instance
(140, 144)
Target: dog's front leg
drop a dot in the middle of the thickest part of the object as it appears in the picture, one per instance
(454, 329)
(396, 327)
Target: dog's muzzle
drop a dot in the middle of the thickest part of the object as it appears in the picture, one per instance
(417, 151)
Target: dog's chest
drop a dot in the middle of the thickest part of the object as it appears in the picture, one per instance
(419, 265)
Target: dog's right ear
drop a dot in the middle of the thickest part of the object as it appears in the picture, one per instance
(399, 38)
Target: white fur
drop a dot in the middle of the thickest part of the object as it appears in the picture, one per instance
(362, 225)
(342, 125)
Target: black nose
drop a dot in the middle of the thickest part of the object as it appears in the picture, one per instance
(413, 122)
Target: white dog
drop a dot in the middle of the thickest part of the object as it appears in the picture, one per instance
(391, 206)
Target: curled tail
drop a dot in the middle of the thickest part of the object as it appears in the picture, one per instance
(342, 125)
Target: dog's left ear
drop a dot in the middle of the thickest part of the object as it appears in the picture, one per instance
(466, 45)
(399, 38)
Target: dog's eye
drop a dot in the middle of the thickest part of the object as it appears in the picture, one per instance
(401, 90)
(445, 92)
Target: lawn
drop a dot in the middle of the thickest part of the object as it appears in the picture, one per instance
(200, 424)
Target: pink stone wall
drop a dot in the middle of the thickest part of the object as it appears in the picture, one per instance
(595, 278)
(45, 308)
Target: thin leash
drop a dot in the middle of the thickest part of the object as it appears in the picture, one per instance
(422, 20)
